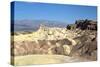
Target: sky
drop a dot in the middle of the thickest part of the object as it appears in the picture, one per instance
(56, 12)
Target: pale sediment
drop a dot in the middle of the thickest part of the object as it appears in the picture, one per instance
(46, 59)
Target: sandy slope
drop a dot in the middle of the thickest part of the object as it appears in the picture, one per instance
(45, 59)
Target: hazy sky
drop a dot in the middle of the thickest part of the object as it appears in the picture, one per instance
(45, 11)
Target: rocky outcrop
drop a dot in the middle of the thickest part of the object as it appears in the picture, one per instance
(83, 25)
(86, 39)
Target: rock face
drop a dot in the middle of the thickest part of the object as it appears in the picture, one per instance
(86, 39)
(83, 25)
(80, 39)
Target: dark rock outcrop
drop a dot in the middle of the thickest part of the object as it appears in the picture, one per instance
(83, 25)
(71, 26)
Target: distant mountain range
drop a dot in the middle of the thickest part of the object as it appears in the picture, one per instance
(33, 25)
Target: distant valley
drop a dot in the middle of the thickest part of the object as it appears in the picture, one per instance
(33, 25)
